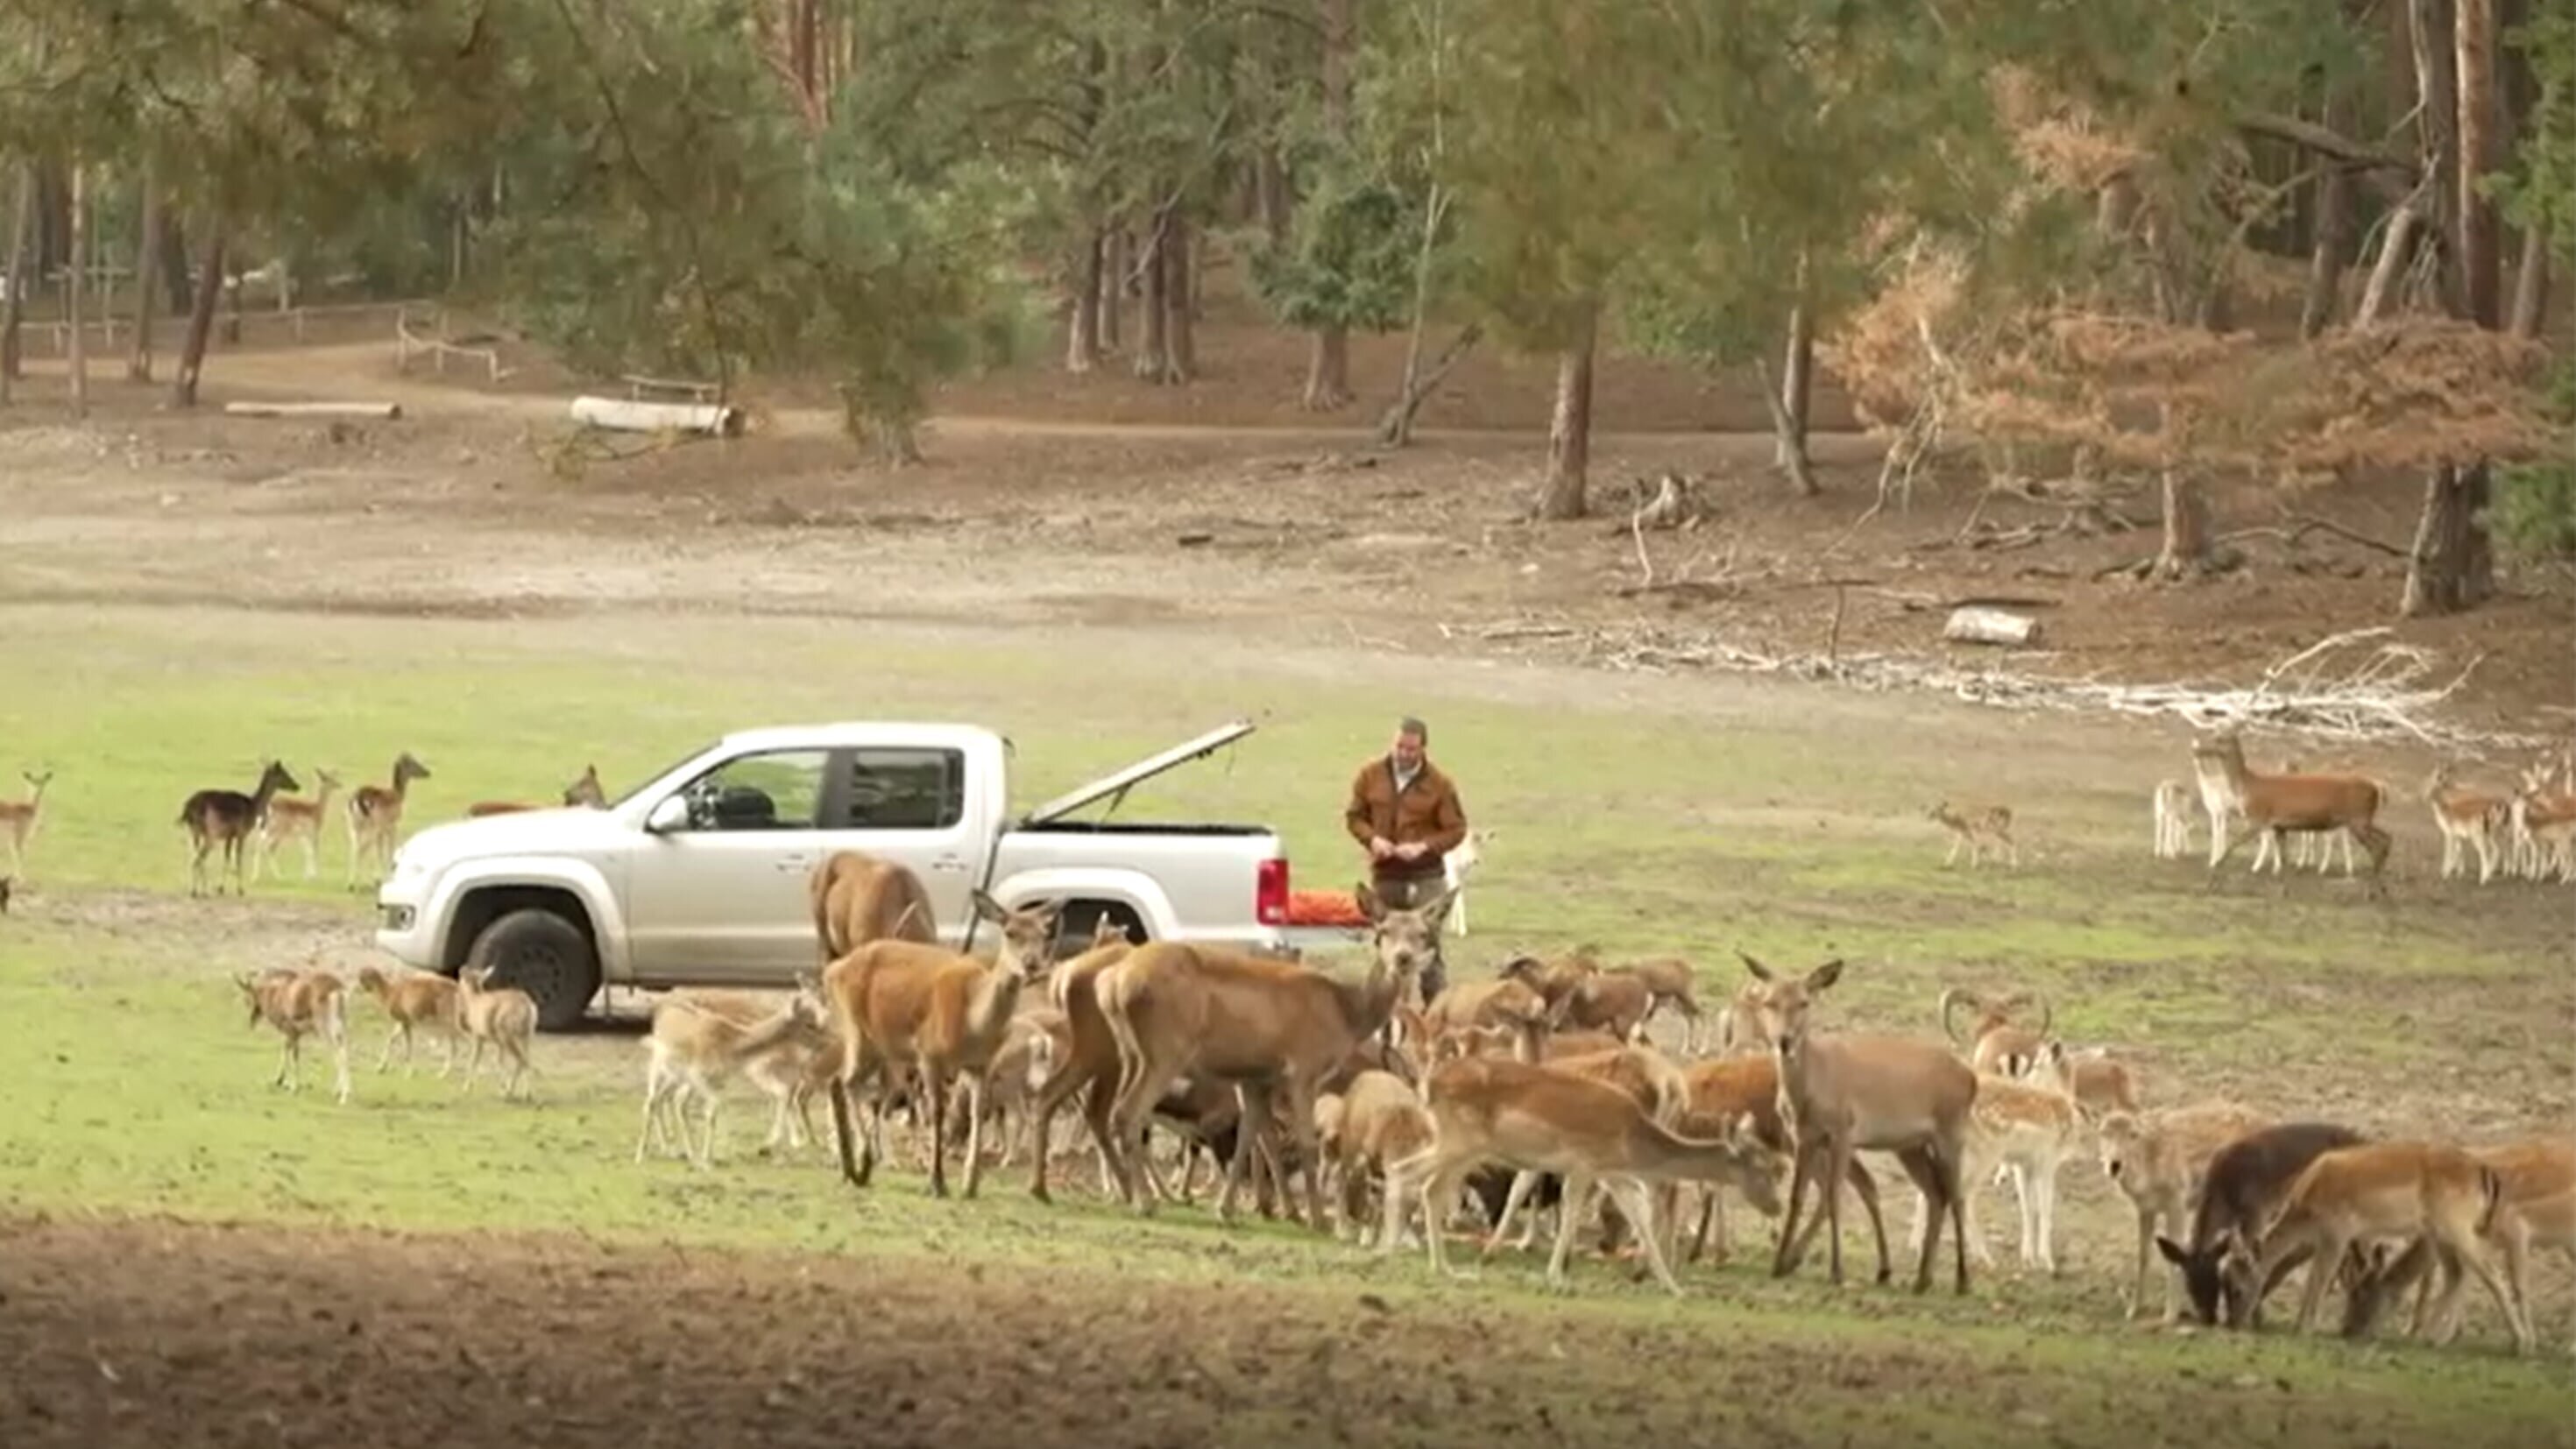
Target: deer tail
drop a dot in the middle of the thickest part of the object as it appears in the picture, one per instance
(2490, 1198)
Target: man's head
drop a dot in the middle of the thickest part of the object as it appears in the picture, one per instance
(1411, 735)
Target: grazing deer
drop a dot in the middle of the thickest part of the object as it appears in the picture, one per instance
(226, 818)
(2468, 819)
(19, 818)
(292, 819)
(1978, 829)
(301, 1004)
(413, 999)
(1541, 1119)
(1455, 867)
(2241, 1187)
(2157, 1160)
(375, 813)
(1996, 1043)
(899, 1004)
(1850, 1092)
(857, 898)
(2391, 1191)
(1380, 1122)
(1649, 1080)
(1181, 1009)
(2539, 1209)
(506, 1019)
(2172, 801)
(2275, 804)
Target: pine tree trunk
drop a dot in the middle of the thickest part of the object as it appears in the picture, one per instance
(22, 223)
(1180, 337)
(1082, 339)
(75, 294)
(2437, 119)
(1328, 362)
(1328, 371)
(1569, 429)
(2451, 567)
(2480, 248)
(173, 246)
(201, 317)
(2531, 285)
(2332, 252)
(1153, 355)
(1270, 194)
(2185, 553)
(1114, 263)
(147, 257)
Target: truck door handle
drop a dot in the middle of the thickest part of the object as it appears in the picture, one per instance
(947, 862)
(796, 862)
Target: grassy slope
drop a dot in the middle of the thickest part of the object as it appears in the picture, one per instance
(1619, 828)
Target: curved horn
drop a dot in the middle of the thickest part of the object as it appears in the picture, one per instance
(2047, 1013)
(1952, 998)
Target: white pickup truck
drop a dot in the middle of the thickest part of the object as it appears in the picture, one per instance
(697, 877)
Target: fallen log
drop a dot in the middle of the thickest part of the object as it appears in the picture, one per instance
(382, 411)
(628, 415)
(1974, 625)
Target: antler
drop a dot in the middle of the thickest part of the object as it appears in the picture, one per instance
(2047, 1013)
(1953, 998)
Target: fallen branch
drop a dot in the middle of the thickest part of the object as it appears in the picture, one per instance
(379, 411)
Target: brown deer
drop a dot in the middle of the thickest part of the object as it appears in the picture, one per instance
(301, 1004)
(226, 818)
(375, 813)
(411, 1000)
(584, 791)
(1977, 829)
(2392, 1191)
(1089, 1064)
(1851, 1092)
(2100, 1084)
(2157, 1160)
(1996, 1042)
(858, 898)
(2539, 1210)
(2273, 805)
(292, 819)
(2240, 1190)
(1543, 1119)
(19, 818)
(2468, 819)
(1584, 996)
(505, 1019)
(899, 1004)
(1257, 1023)
(1748, 1087)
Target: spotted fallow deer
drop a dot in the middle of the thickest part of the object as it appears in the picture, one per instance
(2274, 805)
(293, 819)
(375, 814)
(1851, 1092)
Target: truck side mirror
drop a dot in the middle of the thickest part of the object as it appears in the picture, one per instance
(669, 814)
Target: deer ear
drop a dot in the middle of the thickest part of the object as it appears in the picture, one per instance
(1760, 971)
(2174, 1252)
(1825, 975)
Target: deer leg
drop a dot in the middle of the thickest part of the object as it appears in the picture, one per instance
(1838, 1161)
(938, 1083)
(385, 1062)
(974, 1132)
(2321, 1267)
(652, 1101)
(1522, 1183)
(1569, 1221)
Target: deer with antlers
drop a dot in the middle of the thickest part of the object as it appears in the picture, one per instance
(1996, 1042)
(1851, 1092)
(19, 818)
(294, 819)
(226, 818)
(2274, 805)
(1261, 1024)
(375, 813)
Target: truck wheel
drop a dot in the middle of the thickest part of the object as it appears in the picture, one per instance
(1074, 927)
(545, 956)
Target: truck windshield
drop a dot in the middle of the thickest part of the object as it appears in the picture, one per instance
(647, 778)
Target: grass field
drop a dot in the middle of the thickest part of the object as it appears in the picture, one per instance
(1700, 819)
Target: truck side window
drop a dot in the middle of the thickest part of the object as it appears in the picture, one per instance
(900, 789)
(776, 791)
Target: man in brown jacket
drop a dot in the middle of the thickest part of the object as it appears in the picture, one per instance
(1405, 813)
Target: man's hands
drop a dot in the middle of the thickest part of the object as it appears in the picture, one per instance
(1410, 850)
(1380, 847)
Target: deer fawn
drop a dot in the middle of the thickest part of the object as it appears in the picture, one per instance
(375, 813)
(297, 819)
(226, 818)
(19, 818)
(1979, 829)
(301, 1004)
(505, 1018)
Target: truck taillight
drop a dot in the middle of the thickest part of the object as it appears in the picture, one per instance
(1270, 894)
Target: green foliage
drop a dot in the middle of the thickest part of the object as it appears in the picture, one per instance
(2535, 504)
(2541, 191)
(1349, 256)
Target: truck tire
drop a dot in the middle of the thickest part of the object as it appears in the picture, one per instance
(1074, 927)
(544, 955)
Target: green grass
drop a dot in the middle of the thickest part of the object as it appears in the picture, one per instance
(138, 1087)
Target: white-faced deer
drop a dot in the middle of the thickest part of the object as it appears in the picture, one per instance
(375, 814)
(2392, 1192)
(857, 898)
(2468, 819)
(2172, 801)
(504, 1018)
(293, 819)
(1455, 868)
(899, 1004)
(2276, 804)
(226, 818)
(1257, 1023)
(1997, 1042)
(2156, 1159)
(1977, 829)
(301, 1004)
(1850, 1092)
(19, 818)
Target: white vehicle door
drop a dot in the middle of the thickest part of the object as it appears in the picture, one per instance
(721, 895)
(907, 804)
